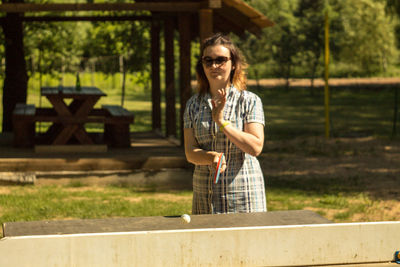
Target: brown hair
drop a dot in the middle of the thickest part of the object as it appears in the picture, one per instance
(237, 76)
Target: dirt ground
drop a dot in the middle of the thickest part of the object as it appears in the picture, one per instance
(353, 165)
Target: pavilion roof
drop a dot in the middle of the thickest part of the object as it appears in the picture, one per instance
(229, 15)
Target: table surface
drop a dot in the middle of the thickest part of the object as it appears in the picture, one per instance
(154, 223)
(71, 91)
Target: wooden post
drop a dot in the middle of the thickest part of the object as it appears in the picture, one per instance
(327, 94)
(16, 79)
(395, 111)
(205, 24)
(185, 65)
(155, 76)
(170, 118)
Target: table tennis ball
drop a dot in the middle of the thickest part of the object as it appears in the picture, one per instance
(185, 218)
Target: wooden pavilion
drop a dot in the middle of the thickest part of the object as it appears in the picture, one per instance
(192, 19)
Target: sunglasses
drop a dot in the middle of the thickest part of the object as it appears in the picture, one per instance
(218, 61)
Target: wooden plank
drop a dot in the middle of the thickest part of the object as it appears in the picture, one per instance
(117, 111)
(154, 7)
(289, 245)
(24, 109)
(69, 119)
(156, 223)
(254, 15)
(65, 134)
(82, 136)
(212, 4)
(119, 120)
(241, 21)
(70, 148)
(155, 76)
(86, 18)
(71, 92)
(170, 120)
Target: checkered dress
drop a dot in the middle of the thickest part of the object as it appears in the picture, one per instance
(241, 187)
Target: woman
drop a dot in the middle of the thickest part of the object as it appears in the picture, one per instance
(224, 118)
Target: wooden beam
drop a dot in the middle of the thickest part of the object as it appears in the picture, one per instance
(225, 26)
(85, 18)
(238, 19)
(212, 4)
(185, 64)
(170, 111)
(253, 14)
(205, 23)
(155, 76)
(176, 6)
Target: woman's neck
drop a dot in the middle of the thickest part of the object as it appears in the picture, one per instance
(215, 87)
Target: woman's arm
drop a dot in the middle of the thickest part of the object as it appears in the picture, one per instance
(198, 156)
(250, 141)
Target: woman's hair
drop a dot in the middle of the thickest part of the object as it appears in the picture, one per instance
(237, 76)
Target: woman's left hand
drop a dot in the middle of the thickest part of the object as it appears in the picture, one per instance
(218, 104)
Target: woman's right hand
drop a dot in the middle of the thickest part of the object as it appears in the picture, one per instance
(215, 162)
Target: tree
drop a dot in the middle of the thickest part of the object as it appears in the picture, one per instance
(367, 36)
(311, 34)
(279, 43)
(54, 45)
(130, 39)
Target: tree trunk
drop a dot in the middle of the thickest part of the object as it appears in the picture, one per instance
(16, 78)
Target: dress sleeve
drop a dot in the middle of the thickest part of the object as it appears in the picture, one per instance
(255, 110)
(187, 115)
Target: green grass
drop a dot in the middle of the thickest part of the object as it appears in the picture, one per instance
(297, 112)
(330, 200)
(27, 203)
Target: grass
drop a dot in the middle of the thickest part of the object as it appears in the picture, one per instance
(27, 203)
(296, 112)
(334, 199)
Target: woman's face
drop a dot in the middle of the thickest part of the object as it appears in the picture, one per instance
(217, 63)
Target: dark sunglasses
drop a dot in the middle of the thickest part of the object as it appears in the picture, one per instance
(218, 61)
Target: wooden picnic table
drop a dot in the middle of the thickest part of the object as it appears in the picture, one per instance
(71, 117)
(68, 119)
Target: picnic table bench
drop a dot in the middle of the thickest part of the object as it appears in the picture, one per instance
(116, 126)
(24, 124)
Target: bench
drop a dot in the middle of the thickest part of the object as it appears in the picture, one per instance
(116, 126)
(24, 125)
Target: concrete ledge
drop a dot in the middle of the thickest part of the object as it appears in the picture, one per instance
(70, 148)
(287, 245)
(17, 178)
(71, 163)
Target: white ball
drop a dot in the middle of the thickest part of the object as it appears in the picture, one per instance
(185, 218)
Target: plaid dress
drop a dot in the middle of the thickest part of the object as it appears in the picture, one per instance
(241, 187)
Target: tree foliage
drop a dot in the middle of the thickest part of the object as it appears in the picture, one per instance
(362, 37)
(128, 39)
(367, 35)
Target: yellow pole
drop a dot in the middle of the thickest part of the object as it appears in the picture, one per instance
(327, 125)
